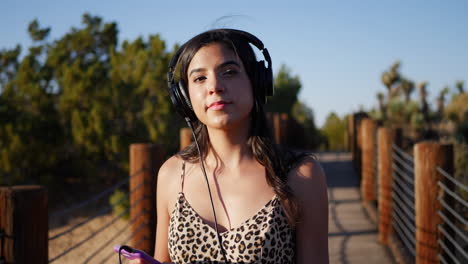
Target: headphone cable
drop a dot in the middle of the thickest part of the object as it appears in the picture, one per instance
(209, 191)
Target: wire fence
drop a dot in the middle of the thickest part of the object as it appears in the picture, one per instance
(94, 234)
(403, 199)
(453, 238)
(443, 234)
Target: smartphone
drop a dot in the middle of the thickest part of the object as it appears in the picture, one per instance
(131, 253)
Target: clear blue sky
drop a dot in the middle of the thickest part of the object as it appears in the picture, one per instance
(338, 48)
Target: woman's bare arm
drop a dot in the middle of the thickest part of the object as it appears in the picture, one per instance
(166, 195)
(161, 252)
(166, 188)
(310, 189)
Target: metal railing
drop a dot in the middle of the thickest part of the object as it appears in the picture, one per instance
(409, 204)
(453, 238)
(403, 199)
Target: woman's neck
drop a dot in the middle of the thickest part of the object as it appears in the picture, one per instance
(229, 148)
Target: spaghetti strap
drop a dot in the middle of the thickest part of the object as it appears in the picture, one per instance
(182, 177)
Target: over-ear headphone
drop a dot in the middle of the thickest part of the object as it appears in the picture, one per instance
(262, 81)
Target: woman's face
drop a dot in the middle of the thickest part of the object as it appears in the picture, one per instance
(219, 88)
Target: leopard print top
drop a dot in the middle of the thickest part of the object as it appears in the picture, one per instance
(266, 237)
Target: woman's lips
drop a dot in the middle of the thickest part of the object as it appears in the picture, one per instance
(218, 105)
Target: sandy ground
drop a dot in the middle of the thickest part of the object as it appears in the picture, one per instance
(89, 243)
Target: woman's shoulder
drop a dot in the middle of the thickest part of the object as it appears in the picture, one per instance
(169, 183)
(170, 171)
(306, 165)
(171, 165)
(306, 175)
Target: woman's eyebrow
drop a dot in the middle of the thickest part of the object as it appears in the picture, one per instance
(230, 62)
(224, 64)
(196, 70)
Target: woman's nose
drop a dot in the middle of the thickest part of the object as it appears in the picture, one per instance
(216, 85)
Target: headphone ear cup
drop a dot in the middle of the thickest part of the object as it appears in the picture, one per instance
(264, 81)
(185, 98)
(268, 73)
(173, 95)
(260, 81)
(266, 78)
(175, 98)
(181, 101)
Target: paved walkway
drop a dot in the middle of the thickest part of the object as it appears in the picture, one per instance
(352, 234)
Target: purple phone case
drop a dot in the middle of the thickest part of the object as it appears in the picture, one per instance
(137, 254)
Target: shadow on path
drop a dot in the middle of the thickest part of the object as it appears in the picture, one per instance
(352, 234)
(339, 170)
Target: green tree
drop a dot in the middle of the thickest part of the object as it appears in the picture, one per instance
(30, 133)
(390, 78)
(287, 88)
(285, 100)
(382, 106)
(139, 72)
(305, 116)
(73, 106)
(400, 110)
(459, 85)
(441, 102)
(36, 32)
(9, 61)
(424, 105)
(334, 130)
(110, 98)
(81, 63)
(457, 112)
(407, 87)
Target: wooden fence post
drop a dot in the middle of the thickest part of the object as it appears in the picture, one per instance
(145, 160)
(385, 142)
(277, 127)
(368, 128)
(284, 129)
(358, 149)
(185, 135)
(351, 135)
(347, 134)
(428, 156)
(354, 129)
(24, 226)
(345, 141)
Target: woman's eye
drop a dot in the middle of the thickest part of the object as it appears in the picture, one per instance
(199, 79)
(229, 72)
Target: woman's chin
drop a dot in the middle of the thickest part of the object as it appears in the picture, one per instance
(221, 124)
(225, 123)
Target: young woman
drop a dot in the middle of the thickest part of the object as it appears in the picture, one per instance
(271, 204)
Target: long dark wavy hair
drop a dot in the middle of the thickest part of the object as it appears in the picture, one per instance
(277, 161)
